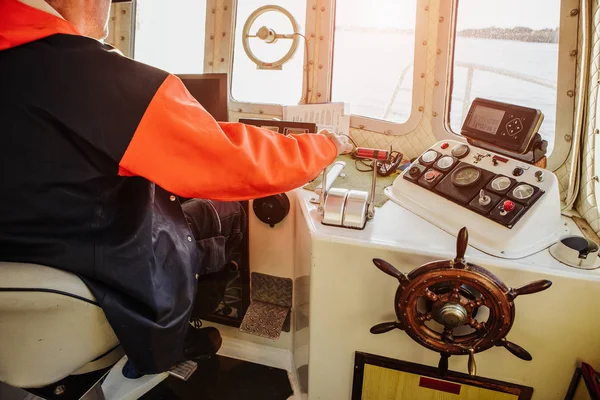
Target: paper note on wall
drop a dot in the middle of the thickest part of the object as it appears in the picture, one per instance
(334, 117)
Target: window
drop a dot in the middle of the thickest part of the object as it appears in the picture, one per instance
(276, 86)
(507, 55)
(170, 35)
(373, 57)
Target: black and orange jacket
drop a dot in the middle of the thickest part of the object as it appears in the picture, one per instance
(93, 145)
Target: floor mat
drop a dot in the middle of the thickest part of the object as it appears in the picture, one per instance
(225, 378)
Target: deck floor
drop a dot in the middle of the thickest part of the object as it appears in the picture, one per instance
(221, 378)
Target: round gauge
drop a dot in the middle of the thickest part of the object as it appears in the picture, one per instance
(466, 176)
(501, 183)
(460, 151)
(445, 162)
(523, 192)
(429, 156)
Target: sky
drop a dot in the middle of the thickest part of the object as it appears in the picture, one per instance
(536, 14)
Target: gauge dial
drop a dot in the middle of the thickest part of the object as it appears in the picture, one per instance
(445, 162)
(466, 176)
(501, 183)
(429, 156)
(460, 151)
(523, 192)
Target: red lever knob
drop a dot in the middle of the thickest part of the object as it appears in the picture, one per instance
(508, 206)
(444, 146)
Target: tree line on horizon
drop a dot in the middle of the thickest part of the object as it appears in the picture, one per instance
(519, 33)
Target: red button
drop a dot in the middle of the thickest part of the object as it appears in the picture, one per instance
(508, 206)
(444, 146)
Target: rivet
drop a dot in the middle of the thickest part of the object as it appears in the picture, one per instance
(436, 83)
(197, 276)
(189, 238)
(60, 389)
(321, 37)
(421, 108)
(210, 63)
(213, 10)
(225, 7)
(312, 35)
(422, 74)
(596, 131)
(318, 94)
(322, 8)
(123, 12)
(595, 178)
(573, 53)
(570, 93)
(439, 51)
(310, 63)
(314, 7)
(240, 110)
(426, 8)
(261, 111)
(122, 38)
(222, 59)
(574, 12)
(424, 42)
(441, 19)
(434, 114)
(568, 138)
(172, 198)
(224, 34)
(212, 37)
(361, 127)
(320, 66)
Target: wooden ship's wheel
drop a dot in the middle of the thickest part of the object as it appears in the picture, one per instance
(442, 305)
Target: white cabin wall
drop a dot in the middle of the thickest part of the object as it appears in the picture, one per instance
(587, 202)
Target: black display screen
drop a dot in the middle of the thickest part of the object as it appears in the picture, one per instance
(506, 126)
(486, 119)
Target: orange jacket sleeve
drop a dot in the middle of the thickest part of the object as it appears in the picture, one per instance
(180, 147)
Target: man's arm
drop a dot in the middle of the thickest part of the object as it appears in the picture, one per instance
(180, 147)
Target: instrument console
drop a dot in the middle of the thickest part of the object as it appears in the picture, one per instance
(511, 208)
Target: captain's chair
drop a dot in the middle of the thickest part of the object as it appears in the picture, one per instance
(50, 327)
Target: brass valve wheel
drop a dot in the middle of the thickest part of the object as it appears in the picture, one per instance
(440, 305)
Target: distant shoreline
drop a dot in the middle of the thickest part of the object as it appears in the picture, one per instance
(518, 34)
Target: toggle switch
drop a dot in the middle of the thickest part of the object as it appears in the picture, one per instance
(484, 199)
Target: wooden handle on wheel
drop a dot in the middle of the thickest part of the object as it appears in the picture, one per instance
(390, 270)
(462, 241)
(530, 288)
(515, 349)
(472, 366)
(385, 327)
(443, 364)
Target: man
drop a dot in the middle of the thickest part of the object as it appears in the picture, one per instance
(95, 149)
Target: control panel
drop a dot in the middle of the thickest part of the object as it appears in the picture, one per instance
(499, 199)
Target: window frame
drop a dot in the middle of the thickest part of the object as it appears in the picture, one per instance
(320, 29)
(567, 73)
(227, 47)
(418, 81)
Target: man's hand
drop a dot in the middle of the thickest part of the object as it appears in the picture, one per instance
(340, 141)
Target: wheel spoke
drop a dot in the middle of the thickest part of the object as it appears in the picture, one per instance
(448, 335)
(430, 295)
(424, 317)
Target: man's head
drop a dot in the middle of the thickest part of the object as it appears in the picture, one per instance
(90, 17)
